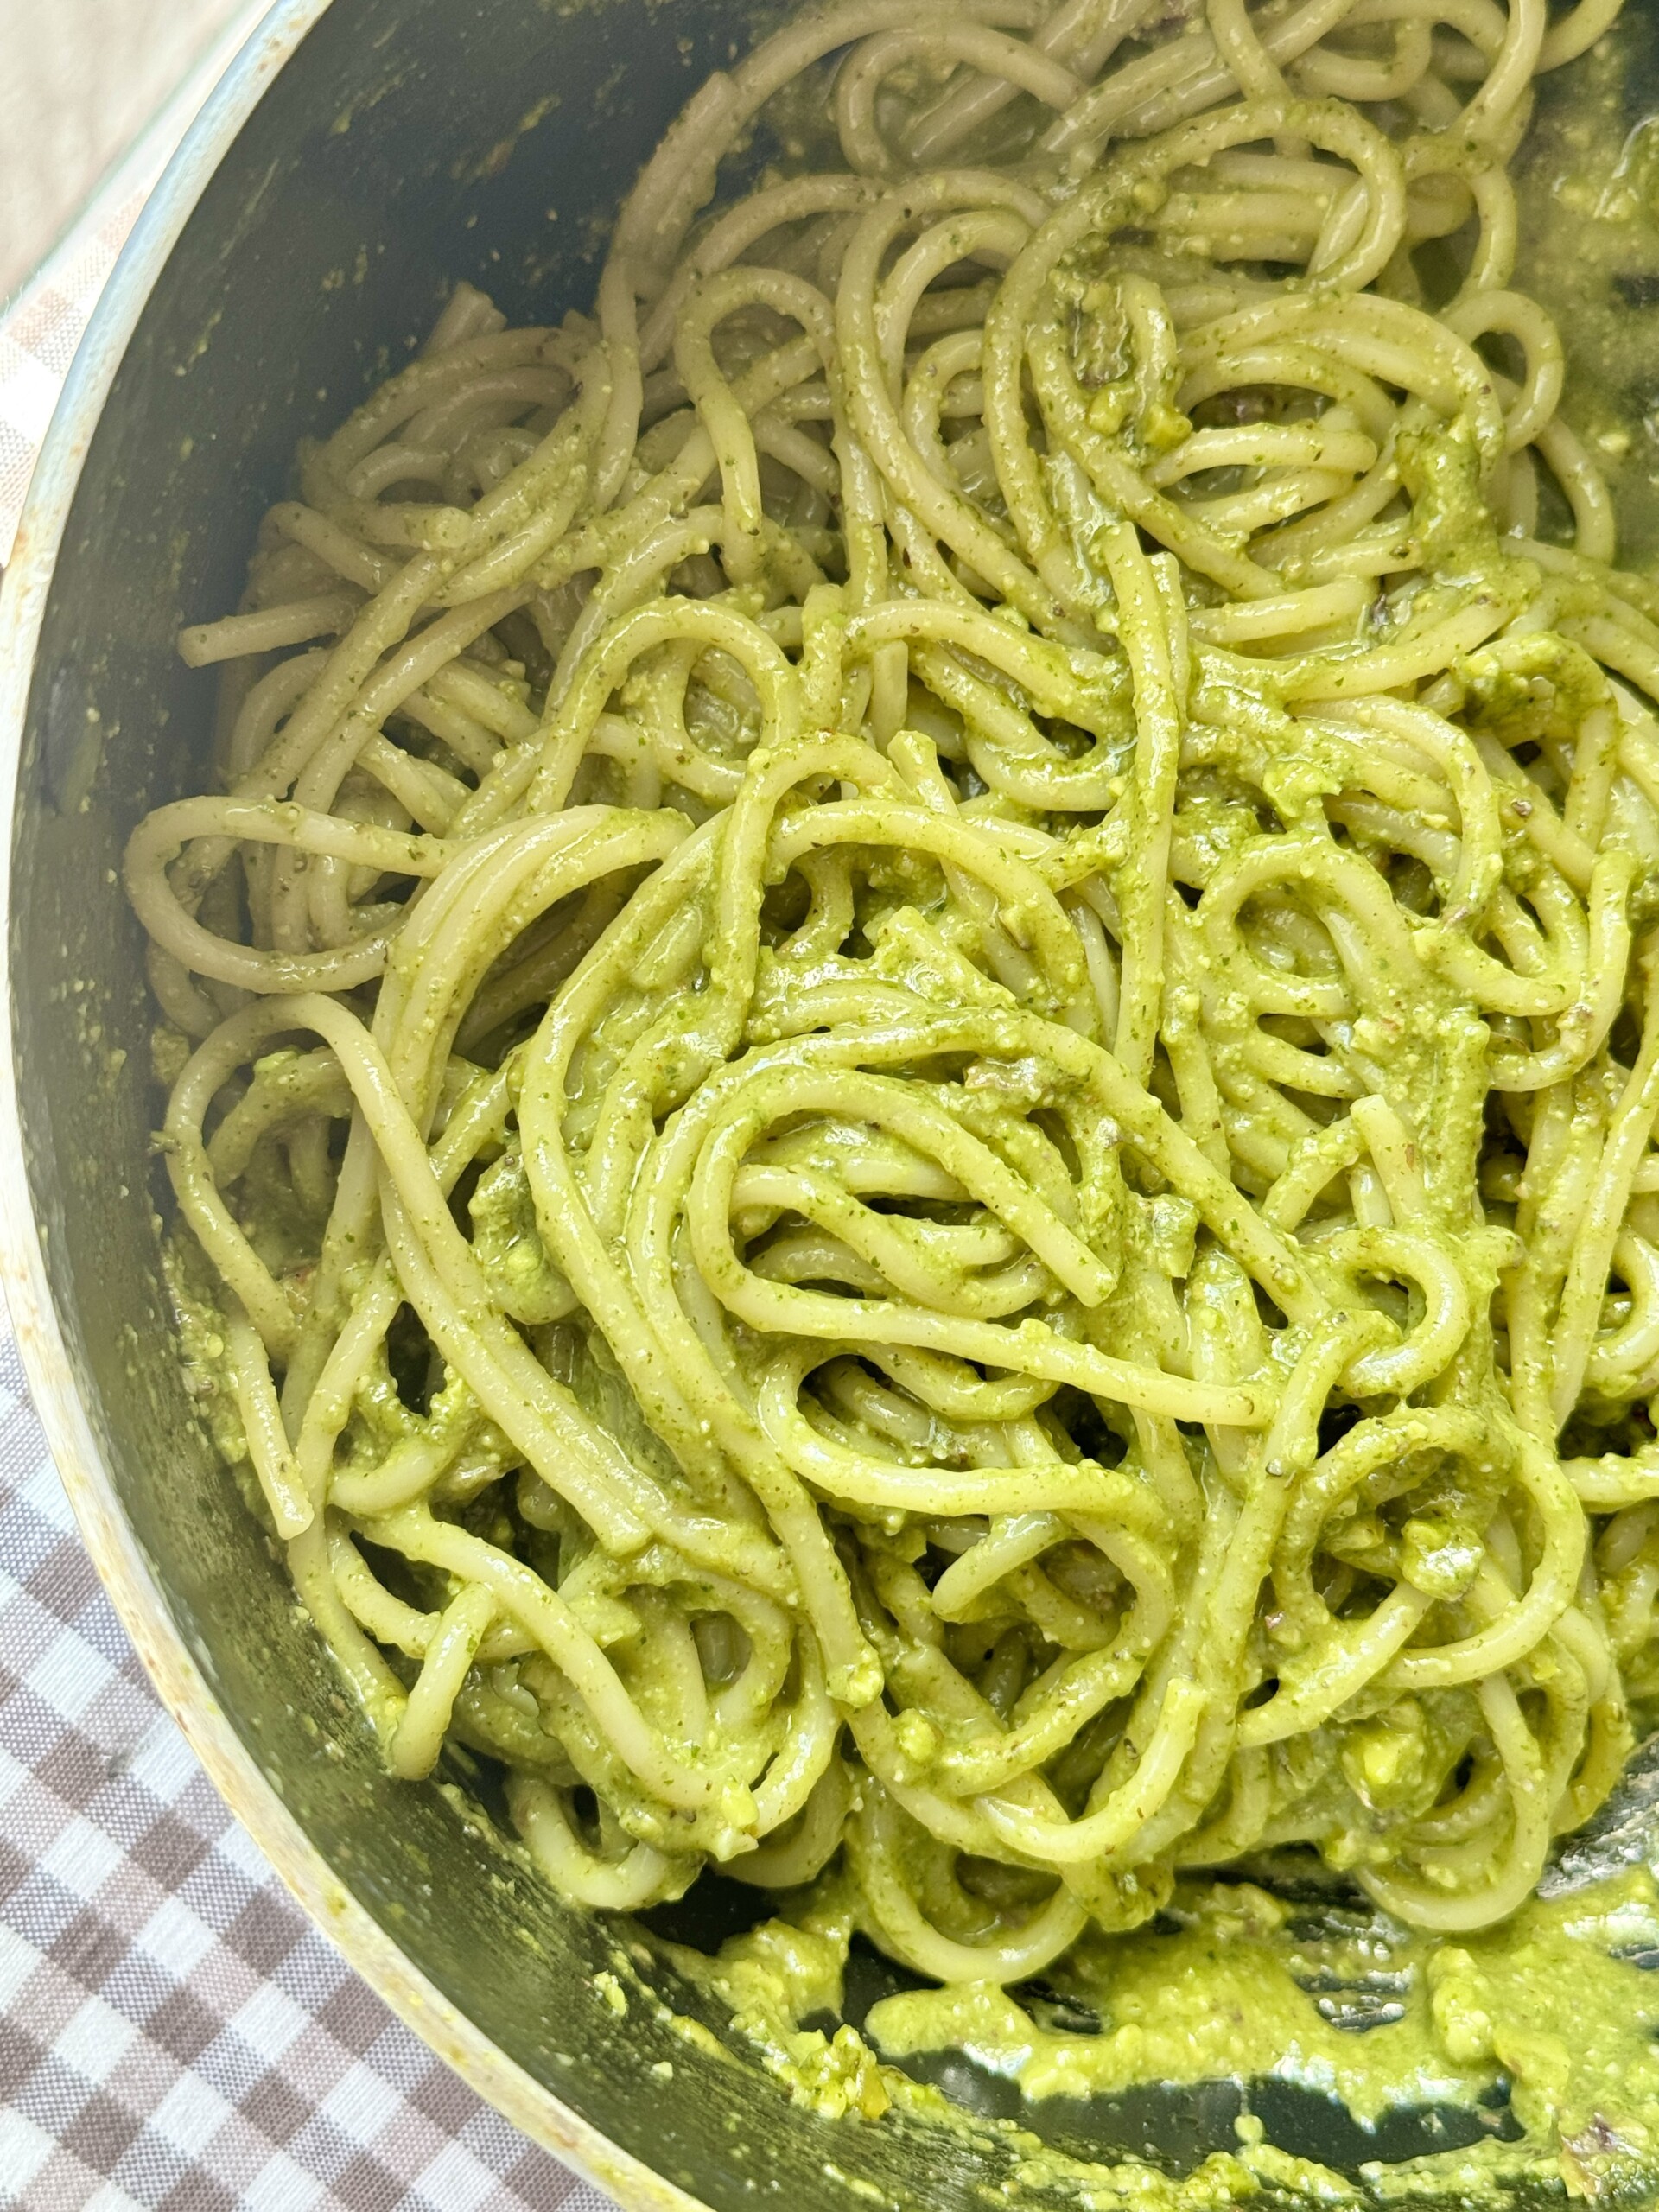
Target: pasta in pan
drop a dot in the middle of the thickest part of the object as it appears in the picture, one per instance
(913, 1064)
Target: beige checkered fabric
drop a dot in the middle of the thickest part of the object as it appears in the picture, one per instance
(41, 327)
(174, 2036)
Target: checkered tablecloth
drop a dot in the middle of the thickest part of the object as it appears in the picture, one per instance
(175, 2035)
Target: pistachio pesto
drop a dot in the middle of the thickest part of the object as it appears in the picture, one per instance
(1543, 2033)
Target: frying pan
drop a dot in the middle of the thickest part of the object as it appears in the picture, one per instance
(359, 159)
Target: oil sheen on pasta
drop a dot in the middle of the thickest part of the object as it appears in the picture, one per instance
(912, 1055)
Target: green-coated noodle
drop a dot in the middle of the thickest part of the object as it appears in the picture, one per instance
(918, 1083)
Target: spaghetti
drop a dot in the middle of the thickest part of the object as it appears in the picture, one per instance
(913, 1057)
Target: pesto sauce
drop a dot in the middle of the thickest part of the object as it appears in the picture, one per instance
(1546, 2025)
